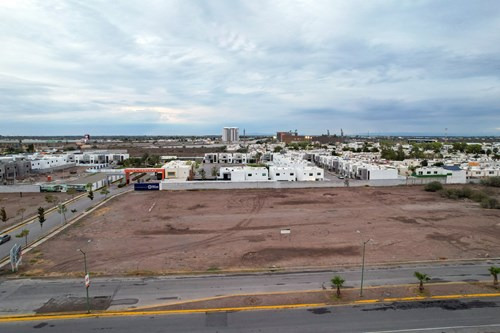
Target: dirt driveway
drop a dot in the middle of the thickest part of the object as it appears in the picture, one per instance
(144, 232)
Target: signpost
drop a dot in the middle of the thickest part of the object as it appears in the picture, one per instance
(16, 256)
(87, 279)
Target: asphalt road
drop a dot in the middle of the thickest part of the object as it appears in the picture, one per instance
(21, 296)
(54, 220)
(435, 316)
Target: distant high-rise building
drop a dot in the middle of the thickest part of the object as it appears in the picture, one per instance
(230, 134)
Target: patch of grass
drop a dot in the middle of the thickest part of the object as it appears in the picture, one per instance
(433, 187)
(483, 197)
(141, 273)
(491, 181)
(213, 269)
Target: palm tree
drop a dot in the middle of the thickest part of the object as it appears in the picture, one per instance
(338, 282)
(24, 233)
(61, 209)
(494, 271)
(422, 277)
(105, 191)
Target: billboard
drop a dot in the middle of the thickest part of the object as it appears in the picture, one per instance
(146, 186)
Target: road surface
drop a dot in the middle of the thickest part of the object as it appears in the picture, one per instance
(54, 220)
(435, 316)
(21, 296)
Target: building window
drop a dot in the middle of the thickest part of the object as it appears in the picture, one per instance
(277, 174)
(311, 174)
(428, 172)
(249, 175)
(435, 172)
(319, 173)
(264, 174)
(291, 174)
(491, 172)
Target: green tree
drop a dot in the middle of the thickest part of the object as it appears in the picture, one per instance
(31, 148)
(3, 214)
(214, 172)
(61, 209)
(337, 282)
(24, 233)
(277, 149)
(473, 149)
(494, 271)
(90, 195)
(105, 191)
(41, 216)
(421, 277)
(21, 212)
(203, 173)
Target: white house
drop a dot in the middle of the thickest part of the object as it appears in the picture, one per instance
(310, 173)
(178, 169)
(282, 173)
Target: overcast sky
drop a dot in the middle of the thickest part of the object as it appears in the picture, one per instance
(192, 67)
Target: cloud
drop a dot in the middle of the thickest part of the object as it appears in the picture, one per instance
(193, 65)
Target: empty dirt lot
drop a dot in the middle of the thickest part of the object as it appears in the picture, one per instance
(164, 232)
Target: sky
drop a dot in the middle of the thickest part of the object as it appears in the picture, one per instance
(192, 67)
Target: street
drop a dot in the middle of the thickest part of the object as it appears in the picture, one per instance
(435, 316)
(54, 220)
(21, 296)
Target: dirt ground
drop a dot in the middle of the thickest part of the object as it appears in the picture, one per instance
(30, 201)
(161, 232)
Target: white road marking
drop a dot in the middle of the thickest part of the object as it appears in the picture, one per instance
(434, 328)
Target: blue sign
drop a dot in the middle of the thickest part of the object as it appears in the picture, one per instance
(146, 186)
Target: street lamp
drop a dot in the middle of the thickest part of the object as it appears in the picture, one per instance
(362, 265)
(87, 279)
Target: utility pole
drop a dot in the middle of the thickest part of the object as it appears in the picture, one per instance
(87, 279)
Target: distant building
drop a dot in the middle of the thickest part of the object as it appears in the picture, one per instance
(230, 134)
(289, 137)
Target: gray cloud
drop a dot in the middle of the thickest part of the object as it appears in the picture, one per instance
(264, 65)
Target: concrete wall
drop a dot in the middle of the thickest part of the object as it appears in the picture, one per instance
(227, 185)
(19, 188)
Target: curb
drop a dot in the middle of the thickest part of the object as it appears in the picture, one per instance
(67, 316)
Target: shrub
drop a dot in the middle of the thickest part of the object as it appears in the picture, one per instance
(479, 196)
(433, 187)
(491, 203)
(491, 181)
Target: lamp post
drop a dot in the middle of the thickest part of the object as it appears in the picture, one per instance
(362, 265)
(87, 284)
(363, 269)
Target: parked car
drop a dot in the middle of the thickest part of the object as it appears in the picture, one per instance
(341, 177)
(4, 239)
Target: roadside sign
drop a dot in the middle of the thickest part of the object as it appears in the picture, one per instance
(87, 280)
(146, 187)
(16, 256)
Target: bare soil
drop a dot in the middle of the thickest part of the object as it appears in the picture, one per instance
(30, 201)
(163, 232)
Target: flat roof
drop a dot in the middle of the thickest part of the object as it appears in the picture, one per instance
(93, 178)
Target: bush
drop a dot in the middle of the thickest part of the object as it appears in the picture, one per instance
(491, 181)
(491, 203)
(433, 187)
